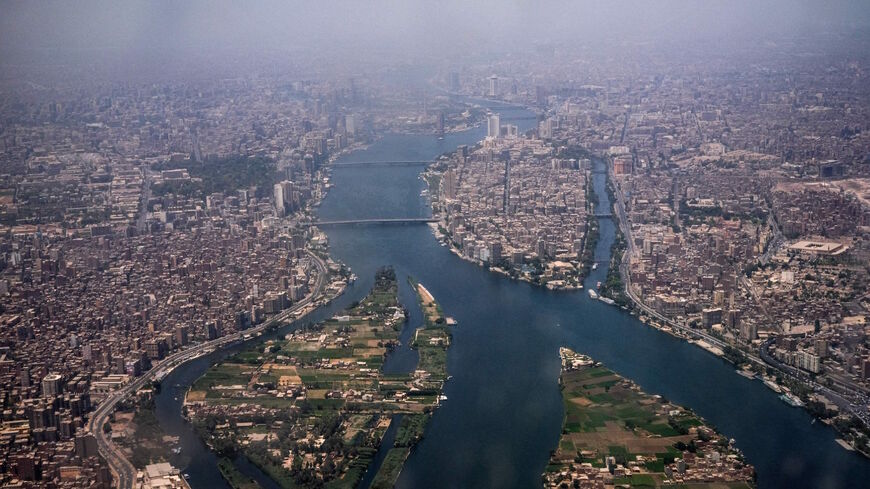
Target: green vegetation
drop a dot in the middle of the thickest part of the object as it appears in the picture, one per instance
(607, 416)
(234, 478)
(432, 340)
(390, 468)
(317, 401)
(219, 175)
(613, 286)
(411, 429)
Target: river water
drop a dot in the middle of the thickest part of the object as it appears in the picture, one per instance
(504, 412)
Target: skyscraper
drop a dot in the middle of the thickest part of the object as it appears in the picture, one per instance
(493, 125)
(453, 82)
(493, 86)
(350, 125)
(448, 184)
(52, 385)
(278, 191)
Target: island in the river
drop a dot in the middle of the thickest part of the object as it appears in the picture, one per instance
(312, 408)
(615, 435)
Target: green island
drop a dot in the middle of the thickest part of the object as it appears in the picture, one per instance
(234, 477)
(310, 409)
(615, 435)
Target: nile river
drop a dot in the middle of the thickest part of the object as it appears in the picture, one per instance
(504, 412)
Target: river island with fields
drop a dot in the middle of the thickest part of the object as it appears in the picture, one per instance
(504, 410)
(313, 408)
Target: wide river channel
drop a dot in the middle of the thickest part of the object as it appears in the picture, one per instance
(504, 412)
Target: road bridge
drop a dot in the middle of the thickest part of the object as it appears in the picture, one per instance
(362, 164)
(351, 222)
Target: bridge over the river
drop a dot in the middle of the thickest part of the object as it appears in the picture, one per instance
(352, 222)
(339, 164)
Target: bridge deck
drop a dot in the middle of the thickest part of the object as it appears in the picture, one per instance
(411, 220)
(381, 163)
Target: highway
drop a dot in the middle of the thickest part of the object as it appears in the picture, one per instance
(123, 470)
(764, 359)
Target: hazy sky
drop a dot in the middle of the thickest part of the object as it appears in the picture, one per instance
(405, 26)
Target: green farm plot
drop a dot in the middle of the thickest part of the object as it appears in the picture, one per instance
(607, 416)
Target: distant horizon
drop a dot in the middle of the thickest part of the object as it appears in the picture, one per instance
(346, 30)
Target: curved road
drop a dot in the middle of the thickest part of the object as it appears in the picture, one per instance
(122, 469)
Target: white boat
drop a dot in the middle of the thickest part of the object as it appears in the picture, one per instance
(792, 400)
(607, 300)
(593, 294)
(595, 266)
(773, 386)
(747, 374)
(442, 397)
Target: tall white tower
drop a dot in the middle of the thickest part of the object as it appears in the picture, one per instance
(493, 86)
(278, 192)
(493, 126)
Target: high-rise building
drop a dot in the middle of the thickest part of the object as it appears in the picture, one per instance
(493, 86)
(493, 125)
(52, 385)
(448, 184)
(507, 187)
(181, 335)
(286, 197)
(350, 125)
(278, 191)
(453, 82)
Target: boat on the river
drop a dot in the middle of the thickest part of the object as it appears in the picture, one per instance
(593, 294)
(772, 385)
(746, 373)
(791, 399)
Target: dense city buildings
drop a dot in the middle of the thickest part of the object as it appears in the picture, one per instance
(518, 205)
(156, 208)
(743, 205)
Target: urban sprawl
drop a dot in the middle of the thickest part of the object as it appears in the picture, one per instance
(143, 224)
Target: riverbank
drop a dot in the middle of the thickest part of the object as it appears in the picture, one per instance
(614, 433)
(120, 465)
(315, 405)
(504, 410)
(811, 396)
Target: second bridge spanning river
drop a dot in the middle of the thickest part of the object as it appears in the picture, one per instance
(400, 220)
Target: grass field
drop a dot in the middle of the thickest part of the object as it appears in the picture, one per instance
(432, 340)
(607, 416)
